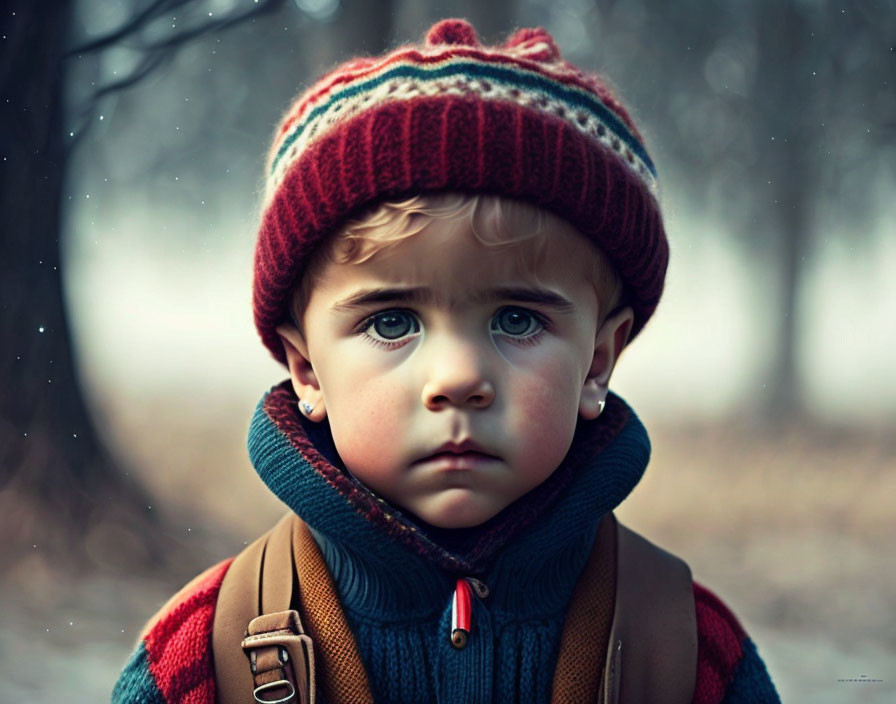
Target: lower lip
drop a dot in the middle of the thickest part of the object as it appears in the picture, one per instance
(466, 460)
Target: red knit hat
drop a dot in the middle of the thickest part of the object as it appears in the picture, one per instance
(453, 115)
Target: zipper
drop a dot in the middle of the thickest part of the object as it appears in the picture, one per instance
(462, 609)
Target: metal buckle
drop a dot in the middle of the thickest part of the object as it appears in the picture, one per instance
(273, 685)
(282, 655)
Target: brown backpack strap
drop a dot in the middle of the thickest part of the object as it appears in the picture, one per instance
(270, 659)
(341, 676)
(633, 598)
(586, 628)
(259, 588)
(652, 653)
(239, 601)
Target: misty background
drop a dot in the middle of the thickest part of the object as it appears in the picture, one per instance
(162, 195)
(765, 378)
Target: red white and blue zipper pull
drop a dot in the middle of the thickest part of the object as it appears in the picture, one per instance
(462, 609)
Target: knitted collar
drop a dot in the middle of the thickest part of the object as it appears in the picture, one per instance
(298, 461)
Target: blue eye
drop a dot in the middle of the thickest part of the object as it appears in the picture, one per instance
(515, 322)
(518, 322)
(390, 326)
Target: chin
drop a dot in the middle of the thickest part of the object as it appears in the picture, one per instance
(455, 522)
(457, 514)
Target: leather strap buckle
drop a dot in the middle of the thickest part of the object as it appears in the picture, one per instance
(281, 658)
(282, 655)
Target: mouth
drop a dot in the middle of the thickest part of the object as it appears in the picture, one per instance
(458, 461)
(459, 453)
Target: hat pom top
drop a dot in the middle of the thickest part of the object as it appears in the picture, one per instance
(452, 31)
(531, 37)
(459, 32)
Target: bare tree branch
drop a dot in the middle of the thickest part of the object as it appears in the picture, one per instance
(155, 53)
(154, 10)
(214, 26)
(147, 65)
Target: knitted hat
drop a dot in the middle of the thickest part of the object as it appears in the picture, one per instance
(452, 115)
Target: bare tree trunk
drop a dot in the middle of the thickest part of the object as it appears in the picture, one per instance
(785, 399)
(55, 475)
(783, 53)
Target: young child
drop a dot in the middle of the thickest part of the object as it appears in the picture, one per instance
(457, 244)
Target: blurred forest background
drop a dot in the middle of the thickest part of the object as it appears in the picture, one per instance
(133, 138)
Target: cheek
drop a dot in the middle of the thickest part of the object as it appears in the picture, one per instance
(366, 424)
(545, 409)
(549, 386)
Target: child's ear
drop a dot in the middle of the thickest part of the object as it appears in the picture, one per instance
(304, 380)
(609, 342)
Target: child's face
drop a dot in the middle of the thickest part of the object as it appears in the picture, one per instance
(466, 360)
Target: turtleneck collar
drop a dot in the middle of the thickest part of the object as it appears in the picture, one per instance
(298, 461)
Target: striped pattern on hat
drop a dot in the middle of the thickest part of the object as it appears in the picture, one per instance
(515, 120)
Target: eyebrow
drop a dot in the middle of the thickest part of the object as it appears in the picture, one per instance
(421, 294)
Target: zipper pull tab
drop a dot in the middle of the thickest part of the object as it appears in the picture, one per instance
(461, 610)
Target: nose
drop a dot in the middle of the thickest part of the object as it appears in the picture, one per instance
(458, 378)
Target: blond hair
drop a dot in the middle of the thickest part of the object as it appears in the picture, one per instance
(494, 221)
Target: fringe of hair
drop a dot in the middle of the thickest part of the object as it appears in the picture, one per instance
(494, 221)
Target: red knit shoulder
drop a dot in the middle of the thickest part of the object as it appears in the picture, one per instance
(720, 639)
(178, 640)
